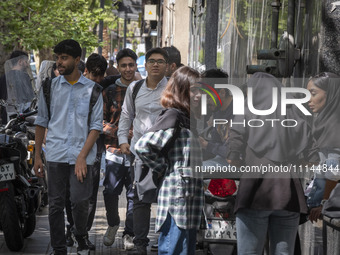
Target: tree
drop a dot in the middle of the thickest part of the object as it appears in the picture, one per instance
(40, 24)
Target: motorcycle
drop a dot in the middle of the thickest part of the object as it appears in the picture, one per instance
(217, 234)
(20, 191)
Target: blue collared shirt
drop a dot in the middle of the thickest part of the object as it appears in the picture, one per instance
(68, 127)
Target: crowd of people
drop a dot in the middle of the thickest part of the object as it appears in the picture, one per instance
(153, 126)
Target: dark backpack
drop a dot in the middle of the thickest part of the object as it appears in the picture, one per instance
(46, 85)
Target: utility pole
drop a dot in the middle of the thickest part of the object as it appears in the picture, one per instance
(211, 34)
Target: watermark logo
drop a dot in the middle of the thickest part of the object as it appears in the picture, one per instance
(239, 100)
(204, 97)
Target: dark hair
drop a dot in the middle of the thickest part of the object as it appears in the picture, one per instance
(54, 66)
(126, 53)
(96, 64)
(322, 80)
(81, 66)
(111, 61)
(18, 53)
(215, 73)
(177, 92)
(69, 47)
(15, 56)
(157, 51)
(174, 55)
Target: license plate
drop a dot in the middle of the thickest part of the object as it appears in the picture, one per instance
(7, 172)
(221, 230)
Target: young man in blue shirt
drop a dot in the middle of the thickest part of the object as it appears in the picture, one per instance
(70, 144)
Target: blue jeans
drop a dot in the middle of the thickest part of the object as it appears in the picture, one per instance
(116, 177)
(174, 240)
(253, 225)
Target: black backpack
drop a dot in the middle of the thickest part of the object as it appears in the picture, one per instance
(46, 85)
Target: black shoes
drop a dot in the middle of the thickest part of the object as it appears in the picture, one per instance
(138, 250)
(82, 248)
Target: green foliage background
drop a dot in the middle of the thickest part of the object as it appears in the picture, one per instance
(39, 24)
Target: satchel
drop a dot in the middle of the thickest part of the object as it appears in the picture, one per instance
(147, 182)
(332, 206)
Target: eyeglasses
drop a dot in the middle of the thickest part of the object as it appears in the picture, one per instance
(154, 61)
(126, 65)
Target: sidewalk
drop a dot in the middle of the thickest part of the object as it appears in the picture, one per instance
(39, 241)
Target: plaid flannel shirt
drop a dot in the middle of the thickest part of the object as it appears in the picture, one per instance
(181, 193)
(111, 113)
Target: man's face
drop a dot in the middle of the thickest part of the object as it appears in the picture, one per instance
(171, 69)
(156, 65)
(66, 63)
(127, 68)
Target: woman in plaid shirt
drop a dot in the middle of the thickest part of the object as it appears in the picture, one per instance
(180, 199)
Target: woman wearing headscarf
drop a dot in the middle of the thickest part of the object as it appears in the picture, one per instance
(269, 202)
(325, 103)
(180, 199)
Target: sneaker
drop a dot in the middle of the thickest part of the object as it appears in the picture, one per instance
(110, 235)
(69, 240)
(138, 250)
(82, 248)
(154, 247)
(128, 242)
(91, 246)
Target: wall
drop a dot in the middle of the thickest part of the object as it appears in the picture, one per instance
(175, 29)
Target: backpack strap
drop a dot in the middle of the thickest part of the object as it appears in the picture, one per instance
(135, 90)
(46, 85)
(96, 91)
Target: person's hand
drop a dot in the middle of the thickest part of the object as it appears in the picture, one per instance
(203, 142)
(80, 169)
(315, 214)
(38, 166)
(125, 148)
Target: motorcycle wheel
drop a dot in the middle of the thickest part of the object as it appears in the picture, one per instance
(10, 221)
(29, 226)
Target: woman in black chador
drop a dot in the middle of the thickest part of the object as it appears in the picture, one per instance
(269, 202)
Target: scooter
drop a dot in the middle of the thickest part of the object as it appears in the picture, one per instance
(20, 192)
(217, 234)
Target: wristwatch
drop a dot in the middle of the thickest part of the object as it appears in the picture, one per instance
(323, 201)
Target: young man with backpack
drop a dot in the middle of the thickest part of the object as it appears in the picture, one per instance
(94, 69)
(141, 108)
(117, 173)
(74, 122)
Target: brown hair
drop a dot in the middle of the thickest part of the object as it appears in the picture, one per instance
(177, 92)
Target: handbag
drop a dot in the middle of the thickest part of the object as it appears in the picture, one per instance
(147, 182)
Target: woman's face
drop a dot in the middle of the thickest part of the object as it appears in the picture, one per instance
(318, 99)
(195, 96)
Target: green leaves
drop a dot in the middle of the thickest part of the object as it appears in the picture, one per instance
(41, 24)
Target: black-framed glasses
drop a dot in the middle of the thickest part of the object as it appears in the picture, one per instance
(154, 61)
